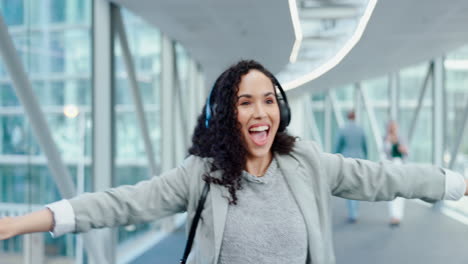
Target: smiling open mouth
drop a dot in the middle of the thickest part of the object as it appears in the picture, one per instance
(259, 134)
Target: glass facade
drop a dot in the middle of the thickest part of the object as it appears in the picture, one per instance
(409, 87)
(456, 101)
(131, 163)
(54, 41)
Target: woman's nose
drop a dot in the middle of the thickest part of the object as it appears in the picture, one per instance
(259, 111)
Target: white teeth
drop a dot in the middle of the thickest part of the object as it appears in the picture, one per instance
(259, 128)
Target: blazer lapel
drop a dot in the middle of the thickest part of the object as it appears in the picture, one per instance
(220, 207)
(300, 184)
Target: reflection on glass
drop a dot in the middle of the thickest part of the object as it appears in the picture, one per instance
(377, 88)
(132, 166)
(411, 83)
(53, 41)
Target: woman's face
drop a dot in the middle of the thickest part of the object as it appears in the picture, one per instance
(257, 112)
(392, 127)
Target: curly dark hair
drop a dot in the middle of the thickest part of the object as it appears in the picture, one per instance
(222, 140)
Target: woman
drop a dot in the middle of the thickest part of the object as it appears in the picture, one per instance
(395, 150)
(270, 196)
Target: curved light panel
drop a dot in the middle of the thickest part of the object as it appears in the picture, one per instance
(297, 30)
(298, 71)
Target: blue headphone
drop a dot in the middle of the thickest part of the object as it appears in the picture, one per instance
(208, 109)
(285, 112)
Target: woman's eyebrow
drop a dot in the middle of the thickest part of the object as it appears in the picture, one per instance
(250, 96)
(244, 95)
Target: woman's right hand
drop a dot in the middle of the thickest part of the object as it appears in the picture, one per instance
(403, 150)
(7, 229)
(39, 221)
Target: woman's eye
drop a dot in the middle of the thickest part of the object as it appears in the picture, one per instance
(270, 101)
(245, 103)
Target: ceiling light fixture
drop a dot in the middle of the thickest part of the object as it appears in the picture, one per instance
(339, 55)
(71, 111)
(297, 31)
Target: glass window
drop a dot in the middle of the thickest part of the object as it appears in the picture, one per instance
(55, 50)
(319, 116)
(318, 96)
(411, 83)
(377, 88)
(345, 93)
(456, 68)
(420, 147)
(13, 11)
(8, 95)
(132, 166)
(58, 11)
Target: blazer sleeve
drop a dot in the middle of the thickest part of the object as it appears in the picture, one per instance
(366, 180)
(151, 199)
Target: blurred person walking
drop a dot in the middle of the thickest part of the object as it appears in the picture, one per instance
(351, 143)
(395, 150)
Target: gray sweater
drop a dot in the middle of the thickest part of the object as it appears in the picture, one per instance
(266, 225)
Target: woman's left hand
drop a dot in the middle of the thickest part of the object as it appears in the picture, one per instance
(466, 183)
(403, 149)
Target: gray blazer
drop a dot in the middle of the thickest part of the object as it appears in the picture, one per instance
(312, 176)
(351, 141)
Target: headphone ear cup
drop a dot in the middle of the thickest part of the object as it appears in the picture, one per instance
(285, 115)
(208, 109)
(285, 111)
(207, 115)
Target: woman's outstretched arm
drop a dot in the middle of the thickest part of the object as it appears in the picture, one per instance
(130, 204)
(39, 221)
(466, 190)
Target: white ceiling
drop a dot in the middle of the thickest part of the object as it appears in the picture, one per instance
(400, 33)
(217, 33)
